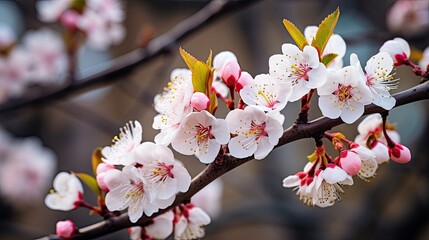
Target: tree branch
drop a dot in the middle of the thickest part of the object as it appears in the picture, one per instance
(125, 64)
(224, 164)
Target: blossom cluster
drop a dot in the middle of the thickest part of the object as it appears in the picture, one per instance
(30, 62)
(100, 20)
(26, 170)
(321, 181)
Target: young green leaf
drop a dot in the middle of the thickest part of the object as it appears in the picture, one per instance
(200, 75)
(294, 32)
(209, 60)
(96, 159)
(328, 58)
(190, 60)
(326, 28)
(90, 181)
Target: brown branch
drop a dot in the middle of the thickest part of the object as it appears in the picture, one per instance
(125, 64)
(224, 164)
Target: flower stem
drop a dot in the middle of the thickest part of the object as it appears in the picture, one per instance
(390, 143)
(305, 106)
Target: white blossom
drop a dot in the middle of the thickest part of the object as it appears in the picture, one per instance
(210, 198)
(266, 93)
(201, 134)
(67, 192)
(190, 223)
(26, 171)
(164, 175)
(398, 49)
(256, 132)
(160, 228)
(344, 95)
(51, 10)
(173, 105)
(124, 146)
(302, 69)
(369, 163)
(131, 192)
(378, 78)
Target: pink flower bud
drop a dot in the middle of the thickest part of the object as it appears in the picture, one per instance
(104, 167)
(244, 80)
(199, 101)
(101, 183)
(350, 162)
(69, 19)
(65, 229)
(400, 153)
(381, 152)
(230, 73)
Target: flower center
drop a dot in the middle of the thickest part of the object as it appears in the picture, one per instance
(203, 133)
(300, 71)
(257, 129)
(163, 171)
(268, 99)
(343, 92)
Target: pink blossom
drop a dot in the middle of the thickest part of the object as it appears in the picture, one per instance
(350, 162)
(230, 73)
(200, 101)
(65, 229)
(399, 153)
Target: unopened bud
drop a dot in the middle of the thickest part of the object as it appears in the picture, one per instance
(230, 73)
(350, 162)
(400, 153)
(104, 167)
(69, 19)
(65, 229)
(200, 101)
(245, 79)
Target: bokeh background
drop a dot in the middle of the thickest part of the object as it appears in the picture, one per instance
(395, 205)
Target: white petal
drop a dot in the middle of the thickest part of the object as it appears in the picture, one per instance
(116, 199)
(350, 115)
(334, 175)
(242, 146)
(198, 216)
(328, 107)
(220, 131)
(208, 152)
(291, 181)
(317, 77)
(264, 148)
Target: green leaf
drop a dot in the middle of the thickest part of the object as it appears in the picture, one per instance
(96, 159)
(328, 58)
(212, 94)
(200, 75)
(90, 181)
(326, 28)
(188, 58)
(294, 32)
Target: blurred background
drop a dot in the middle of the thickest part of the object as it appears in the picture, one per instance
(394, 205)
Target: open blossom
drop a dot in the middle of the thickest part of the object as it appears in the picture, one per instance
(190, 222)
(164, 175)
(122, 150)
(160, 228)
(344, 95)
(131, 191)
(302, 69)
(335, 45)
(201, 134)
(369, 163)
(67, 193)
(408, 17)
(47, 57)
(266, 93)
(26, 172)
(378, 78)
(398, 49)
(256, 132)
(173, 105)
(13, 73)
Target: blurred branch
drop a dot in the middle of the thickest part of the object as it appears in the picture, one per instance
(225, 163)
(125, 64)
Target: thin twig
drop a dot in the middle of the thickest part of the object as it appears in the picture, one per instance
(125, 64)
(215, 170)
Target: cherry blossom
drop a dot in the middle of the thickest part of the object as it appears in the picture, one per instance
(301, 181)
(256, 132)
(335, 45)
(132, 193)
(26, 171)
(266, 93)
(378, 78)
(408, 17)
(173, 105)
(122, 150)
(13, 73)
(218, 61)
(164, 175)
(201, 134)
(344, 95)
(160, 228)
(51, 11)
(350, 162)
(399, 153)
(65, 229)
(47, 58)
(67, 193)
(302, 69)
(200, 101)
(230, 73)
(398, 49)
(101, 171)
(369, 163)
(190, 222)
(7, 36)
